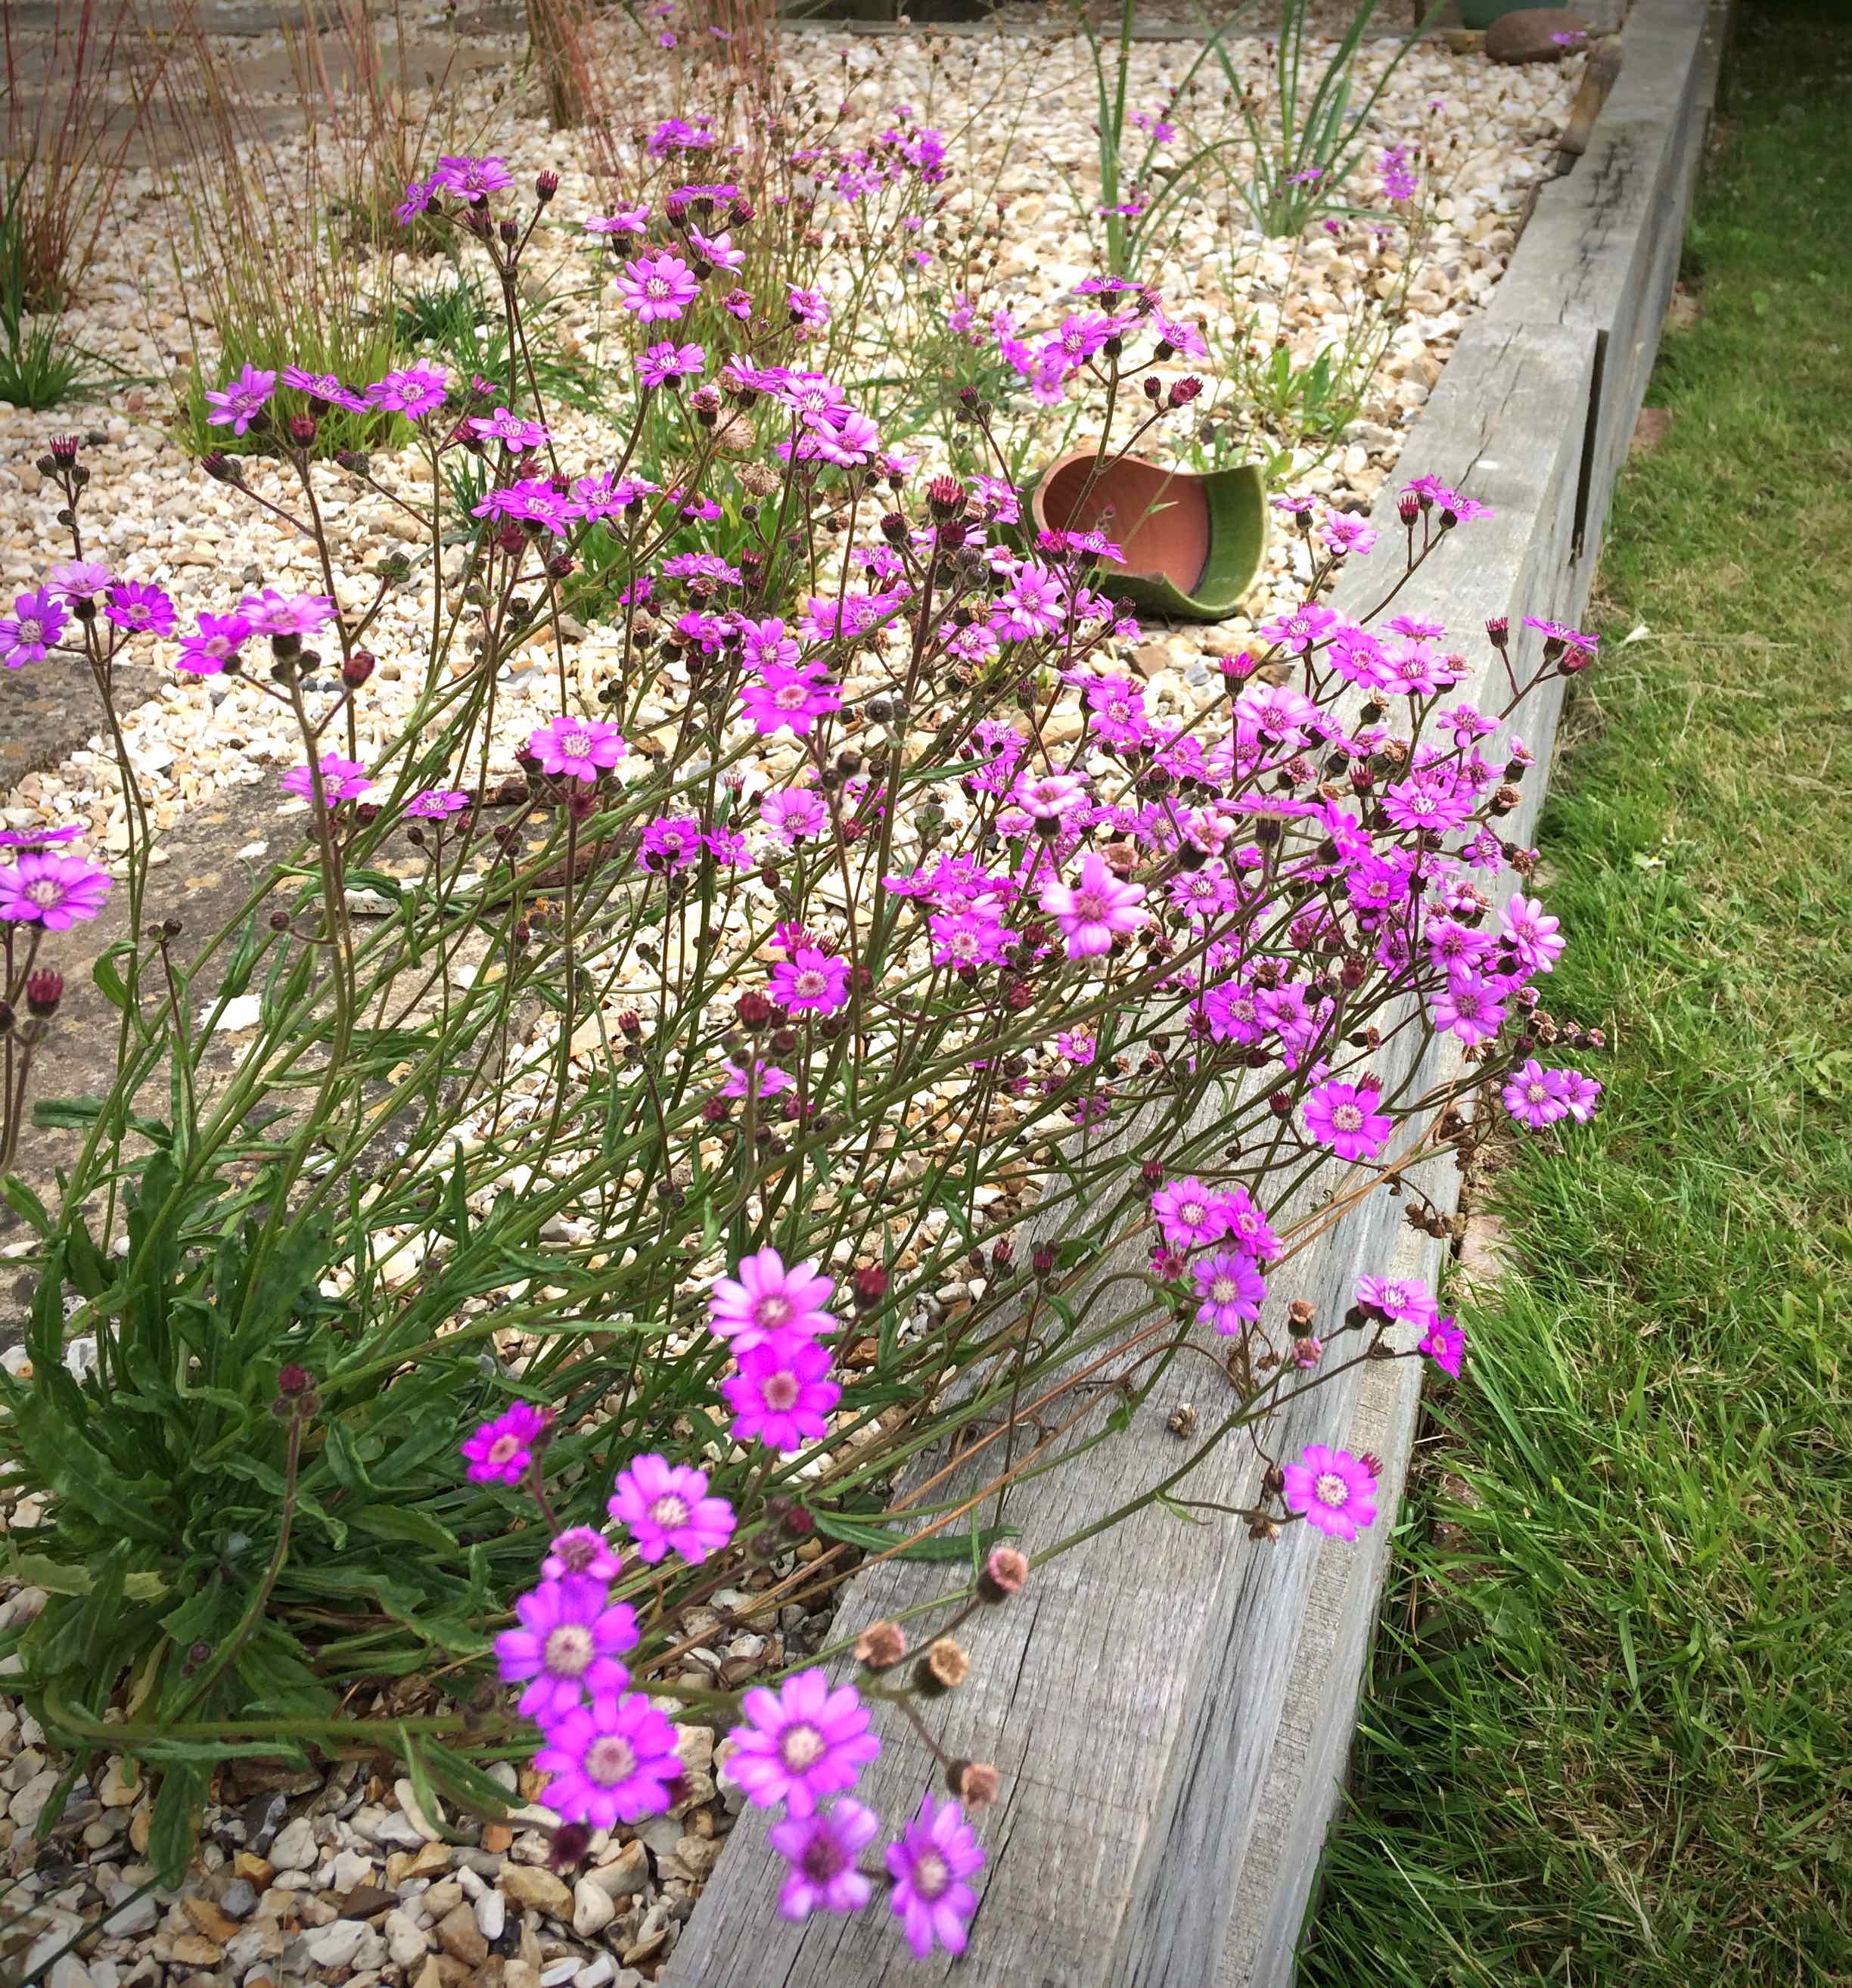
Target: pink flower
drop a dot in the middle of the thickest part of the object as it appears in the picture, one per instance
(790, 697)
(937, 1852)
(53, 890)
(1404, 1301)
(1444, 1344)
(500, 1452)
(612, 1761)
(1336, 1491)
(1189, 1214)
(36, 622)
(273, 614)
(1469, 1006)
(668, 364)
(820, 1850)
(802, 1744)
(1248, 1228)
(1535, 1096)
(766, 1304)
(215, 643)
(1232, 1291)
(239, 403)
(1345, 1117)
(577, 748)
(1092, 913)
(779, 1396)
(437, 804)
(142, 610)
(570, 1637)
(1531, 933)
(793, 812)
(667, 1508)
(625, 221)
(342, 779)
(579, 1550)
(514, 431)
(811, 982)
(657, 288)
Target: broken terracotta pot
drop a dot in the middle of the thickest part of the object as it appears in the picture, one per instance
(1193, 544)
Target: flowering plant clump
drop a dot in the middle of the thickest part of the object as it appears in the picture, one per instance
(856, 1017)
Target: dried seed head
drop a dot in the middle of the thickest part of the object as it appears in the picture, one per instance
(1005, 1572)
(880, 1646)
(944, 1668)
(975, 1782)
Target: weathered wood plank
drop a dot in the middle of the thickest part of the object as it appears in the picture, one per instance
(1602, 245)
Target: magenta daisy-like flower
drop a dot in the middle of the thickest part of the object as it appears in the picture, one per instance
(580, 1550)
(500, 1452)
(239, 402)
(273, 614)
(323, 386)
(1445, 1343)
(657, 289)
(514, 431)
(1583, 1093)
(53, 890)
(342, 779)
(936, 1853)
(1405, 1300)
(78, 580)
(213, 644)
(437, 804)
(577, 748)
(36, 622)
(811, 982)
(1345, 1117)
(780, 1396)
(793, 812)
(668, 365)
(767, 1303)
(1189, 1214)
(1248, 1226)
(802, 1743)
(1469, 1006)
(472, 179)
(1231, 1289)
(786, 696)
(820, 1850)
(667, 1508)
(612, 1761)
(1094, 912)
(1535, 1096)
(1336, 1491)
(140, 608)
(625, 221)
(413, 391)
(1532, 933)
(570, 1637)
(1049, 796)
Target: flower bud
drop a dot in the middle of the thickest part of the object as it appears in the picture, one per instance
(64, 450)
(1185, 391)
(303, 429)
(870, 1285)
(945, 497)
(358, 667)
(44, 990)
(546, 186)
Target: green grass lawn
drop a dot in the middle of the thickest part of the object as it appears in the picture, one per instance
(1609, 1738)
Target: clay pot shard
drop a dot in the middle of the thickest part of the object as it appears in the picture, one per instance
(1193, 544)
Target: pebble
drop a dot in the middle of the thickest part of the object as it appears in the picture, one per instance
(491, 1914)
(294, 1848)
(335, 1946)
(593, 1909)
(527, 1885)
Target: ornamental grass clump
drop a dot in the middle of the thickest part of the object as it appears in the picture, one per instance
(697, 1076)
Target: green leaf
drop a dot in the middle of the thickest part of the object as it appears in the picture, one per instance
(175, 1828)
(404, 1523)
(943, 1546)
(25, 1204)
